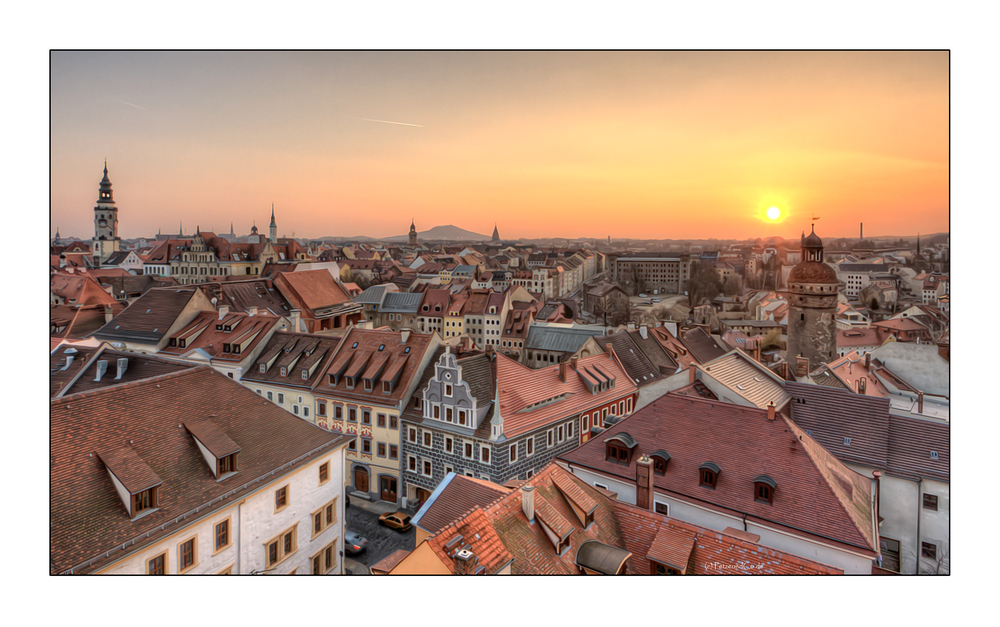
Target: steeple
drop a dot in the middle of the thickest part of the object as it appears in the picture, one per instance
(274, 226)
(496, 234)
(105, 195)
(180, 228)
(413, 233)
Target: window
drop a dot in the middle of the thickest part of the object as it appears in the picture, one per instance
(228, 570)
(393, 422)
(284, 371)
(321, 409)
(448, 413)
(427, 468)
(280, 499)
(447, 389)
(659, 465)
(548, 438)
(366, 417)
(381, 449)
(763, 493)
(928, 550)
(368, 385)
(484, 454)
(666, 570)
(449, 445)
(324, 517)
(157, 565)
(586, 422)
(295, 409)
(366, 446)
(662, 508)
(305, 411)
(529, 446)
(513, 453)
(352, 414)
(411, 463)
(338, 412)
(617, 453)
(393, 451)
(889, 549)
(461, 417)
(931, 502)
(280, 547)
(560, 433)
(437, 411)
(411, 435)
(281, 398)
(147, 499)
(187, 555)
(467, 451)
(324, 472)
(381, 420)
(222, 537)
(427, 438)
(708, 478)
(270, 395)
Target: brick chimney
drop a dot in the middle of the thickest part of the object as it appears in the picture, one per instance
(801, 366)
(920, 402)
(862, 385)
(644, 483)
(528, 502)
(108, 314)
(465, 562)
(770, 411)
(562, 371)
(868, 361)
(573, 361)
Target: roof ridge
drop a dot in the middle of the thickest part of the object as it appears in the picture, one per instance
(132, 384)
(796, 430)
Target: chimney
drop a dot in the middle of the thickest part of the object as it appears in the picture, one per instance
(69, 360)
(404, 335)
(868, 361)
(644, 483)
(102, 367)
(631, 326)
(108, 314)
(62, 261)
(223, 311)
(253, 311)
(692, 373)
(770, 411)
(573, 361)
(295, 319)
(862, 385)
(465, 562)
(802, 366)
(920, 402)
(562, 371)
(122, 365)
(644, 331)
(528, 502)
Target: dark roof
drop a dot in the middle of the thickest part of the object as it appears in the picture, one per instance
(654, 352)
(601, 557)
(89, 519)
(455, 496)
(812, 272)
(831, 414)
(149, 317)
(633, 359)
(745, 444)
(297, 352)
(703, 346)
(138, 367)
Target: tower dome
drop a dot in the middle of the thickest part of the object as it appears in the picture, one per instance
(812, 298)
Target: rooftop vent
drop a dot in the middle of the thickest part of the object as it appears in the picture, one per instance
(102, 367)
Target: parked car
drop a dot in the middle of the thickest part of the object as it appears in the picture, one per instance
(353, 543)
(400, 521)
(643, 296)
(656, 300)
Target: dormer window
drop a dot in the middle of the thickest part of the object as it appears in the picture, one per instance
(147, 499)
(305, 374)
(660, 459)
(173, 341)
(386, 387)
(617, 453)
(227, 348)
(263, 368)
(227, 464)
(763, 489)
(368, 385)
(350, 383)
(709, 474)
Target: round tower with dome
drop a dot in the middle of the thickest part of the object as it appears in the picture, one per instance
(812, 301)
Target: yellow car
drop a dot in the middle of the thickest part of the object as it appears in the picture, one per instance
(400, 521)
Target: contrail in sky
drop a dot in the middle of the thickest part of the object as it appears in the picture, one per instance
(387, 122)
(131, 105)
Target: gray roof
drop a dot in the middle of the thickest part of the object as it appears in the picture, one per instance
(637, 366)
(464, 269)
(402, 302)
(563, 339)
(371, 296)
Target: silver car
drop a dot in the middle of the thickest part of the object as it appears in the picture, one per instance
(353, 543)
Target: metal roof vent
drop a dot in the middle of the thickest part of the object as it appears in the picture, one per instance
(934, 455)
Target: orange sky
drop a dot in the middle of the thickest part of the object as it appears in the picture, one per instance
(589, 144)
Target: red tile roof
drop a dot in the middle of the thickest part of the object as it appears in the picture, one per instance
(311, 289)
(745, 444)
(455, 496)
(201, 334)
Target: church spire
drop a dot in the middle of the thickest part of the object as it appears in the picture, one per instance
(274, 226)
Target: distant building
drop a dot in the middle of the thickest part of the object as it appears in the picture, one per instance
(106, 239)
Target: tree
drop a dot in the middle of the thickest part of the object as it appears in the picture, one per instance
(360, 280)
(732, 286)
(704, 283)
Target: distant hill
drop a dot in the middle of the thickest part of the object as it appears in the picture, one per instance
(448, 232)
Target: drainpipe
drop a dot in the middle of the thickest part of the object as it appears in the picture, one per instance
(744, 521)
(920, 507)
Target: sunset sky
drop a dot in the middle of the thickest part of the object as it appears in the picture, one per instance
(584, 144)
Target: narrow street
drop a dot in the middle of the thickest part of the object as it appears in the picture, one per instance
(382, 541)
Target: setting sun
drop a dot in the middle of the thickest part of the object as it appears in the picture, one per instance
(774, 213)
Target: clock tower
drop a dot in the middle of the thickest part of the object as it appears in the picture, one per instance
(106, 240)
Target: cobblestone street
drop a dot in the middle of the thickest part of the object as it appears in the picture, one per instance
(382, 541)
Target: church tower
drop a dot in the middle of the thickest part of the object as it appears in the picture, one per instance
(274, 227)
(812, 299)
(413, 233)
(496, 234)
(106, 240)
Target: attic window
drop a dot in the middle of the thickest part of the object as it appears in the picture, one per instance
(227, 348)
(305, 374)
(355, 345)
(147, 499)
(934, 455)
(173, 341)
(263, 368)
(406, 350)
(227, 464)
(381, 347)
(847, 441)
(618, 453)
(763, 489)
(709, 474)
(350, 383)
(284, 371)
(660, 459)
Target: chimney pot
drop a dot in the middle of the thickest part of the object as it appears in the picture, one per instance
(528, 502)
(692, 374)
(465, 562)
(108, 314)
(920, 402)
(644, 482)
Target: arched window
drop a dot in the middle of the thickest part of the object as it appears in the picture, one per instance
(763, 489)
(709, 474)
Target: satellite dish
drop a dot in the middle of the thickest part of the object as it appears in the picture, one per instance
(214, 300)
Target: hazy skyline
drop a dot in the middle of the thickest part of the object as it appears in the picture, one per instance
(589, 144)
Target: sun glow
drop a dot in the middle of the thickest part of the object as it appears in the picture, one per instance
(774, 213)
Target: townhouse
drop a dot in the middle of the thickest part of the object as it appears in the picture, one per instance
(200, 476)
(487, 416)
(362, 393)
(720, 465)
